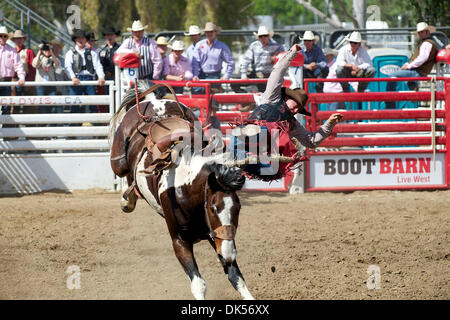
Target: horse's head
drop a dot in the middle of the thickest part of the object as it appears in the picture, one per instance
(222, 208)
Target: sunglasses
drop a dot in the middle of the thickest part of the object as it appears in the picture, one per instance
(3, 36)
(264, 36)
(351, 42)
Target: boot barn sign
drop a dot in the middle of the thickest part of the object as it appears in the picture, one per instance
(376, 171)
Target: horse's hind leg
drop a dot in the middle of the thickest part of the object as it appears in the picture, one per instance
(129, 198)
(185, 254)
(234, 275)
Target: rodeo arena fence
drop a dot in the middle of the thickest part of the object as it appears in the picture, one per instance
(371, 149)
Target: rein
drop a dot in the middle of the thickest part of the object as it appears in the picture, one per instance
(224, 232)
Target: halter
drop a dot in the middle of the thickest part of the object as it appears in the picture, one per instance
(224, 232)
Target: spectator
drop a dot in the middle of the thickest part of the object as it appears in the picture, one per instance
(81, 64)
(60, 70)
(353, 61)
(315, 63)
(26, 56)
(260, 56)
(107, 52)
(332, 87)
(46, 64)
(9, 64)
(162, 46)
(195, 34)
(209, 55)
(147, 49)
(420, 63)
(176, 66)
(90, 44)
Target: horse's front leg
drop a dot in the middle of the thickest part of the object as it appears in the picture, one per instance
(184, 251)
(129, 198)
(231, 268)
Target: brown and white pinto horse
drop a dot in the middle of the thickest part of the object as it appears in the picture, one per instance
(196, 195)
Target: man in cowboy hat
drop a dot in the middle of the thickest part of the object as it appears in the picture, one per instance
(420, 63)
(26, 56)
(90, 44)
(82, 64)
(147, 49)
(332, 87)
(282, 104)
(260, 56)
(10, 64)
(195, 34)
(353, 61)
(162, 46)
(176, 66)
(107, 52)
(314, 61)
(209, 55)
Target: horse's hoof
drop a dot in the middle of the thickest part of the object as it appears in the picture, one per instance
(127, 209)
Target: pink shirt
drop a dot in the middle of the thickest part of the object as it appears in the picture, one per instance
(10, 63)
(182, 67)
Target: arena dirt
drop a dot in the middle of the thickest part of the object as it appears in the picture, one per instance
(309, 246)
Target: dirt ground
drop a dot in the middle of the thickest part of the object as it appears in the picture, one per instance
(309, 246)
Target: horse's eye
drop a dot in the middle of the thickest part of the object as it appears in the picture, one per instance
(214, 209)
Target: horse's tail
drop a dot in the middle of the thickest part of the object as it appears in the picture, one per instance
(228, 178)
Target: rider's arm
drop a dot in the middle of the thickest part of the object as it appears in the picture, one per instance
(276, 78)
(311, 139)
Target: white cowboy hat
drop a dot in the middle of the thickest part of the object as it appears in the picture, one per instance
(355, 36)
(209, 26)
(193, 30)
(263, 31)
(178, 45)
(162, 41)
(3, 30)
(137, 26)
(421, 26)
(328, 51)
(308, 35)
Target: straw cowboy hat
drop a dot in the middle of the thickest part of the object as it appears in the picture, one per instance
(263, 31)
(299, 96)
(209, 26)
(178, 46)
(421, 26)
(111, 30)
(193, 30)
(3, 30)
(18, 34)
(161, 41)
(137, 26)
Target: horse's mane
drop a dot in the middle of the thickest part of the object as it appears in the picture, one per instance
(228, 178)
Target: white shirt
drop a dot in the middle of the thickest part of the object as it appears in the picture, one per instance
(361, 59)
(95, 61)
(332, 87)
(424, 54)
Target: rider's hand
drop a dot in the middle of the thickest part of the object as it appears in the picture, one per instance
(335, 118)
(75, 81)
(101, 82)
(296, 47)
(21, 82)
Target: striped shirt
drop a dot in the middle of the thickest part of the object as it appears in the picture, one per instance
(258, 57)
(182, 67)
(151, 60)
